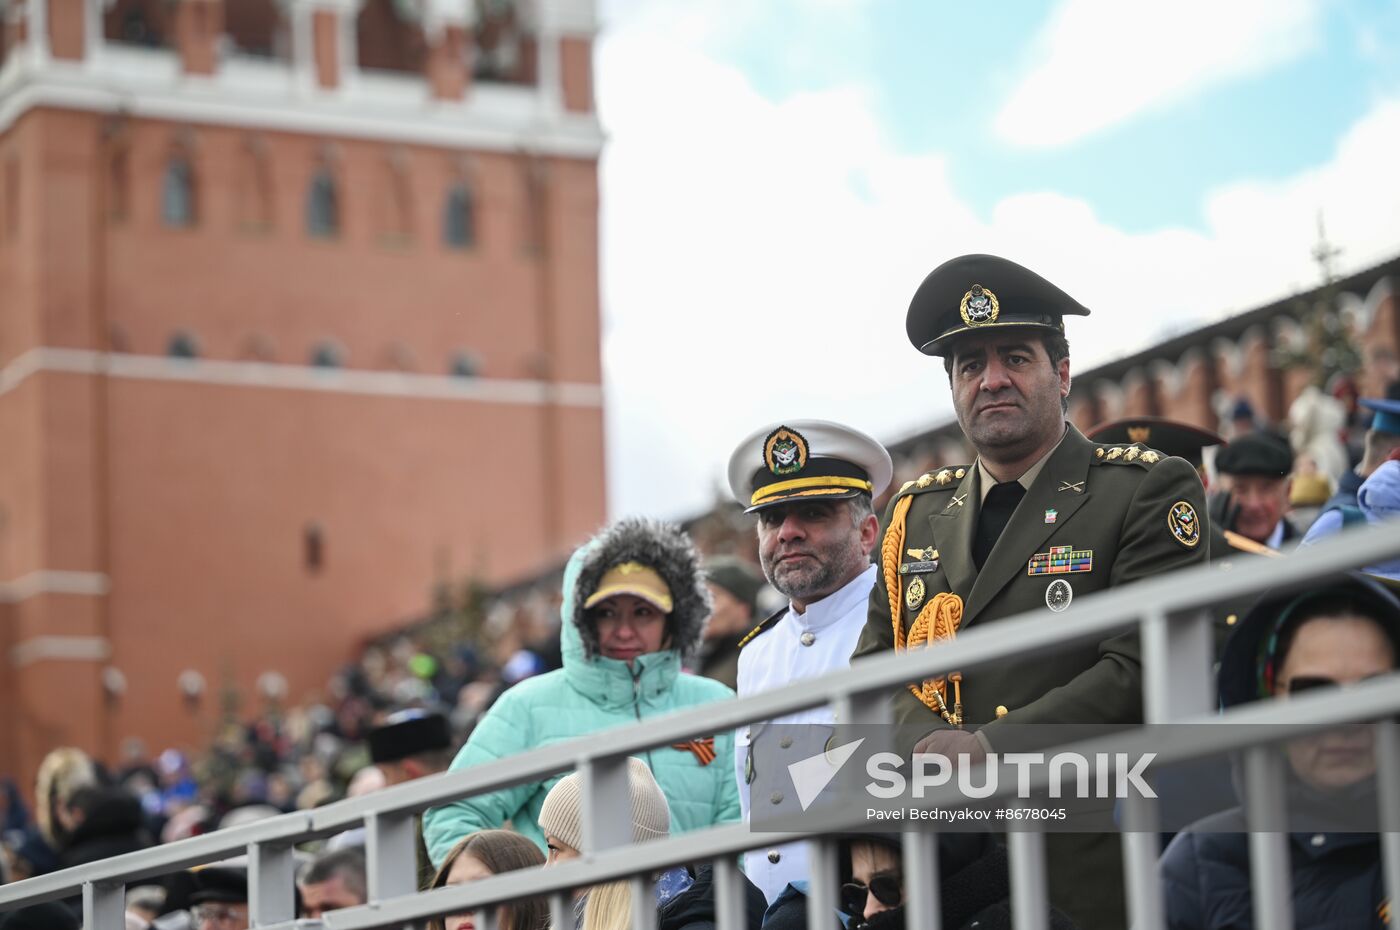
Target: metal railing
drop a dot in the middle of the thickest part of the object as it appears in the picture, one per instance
(1170, 611)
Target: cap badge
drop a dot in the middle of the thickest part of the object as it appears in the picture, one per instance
(1181, 519)
(785, 451)
(1139, 434)
(979, 306)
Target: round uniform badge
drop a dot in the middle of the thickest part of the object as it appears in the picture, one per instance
(1181, 520)
(914, 594)
(1058, 595)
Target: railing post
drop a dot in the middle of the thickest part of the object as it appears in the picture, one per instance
(391, 855)
(643, 902)
(1177, 653)
(104, 906)
(924, 895)
(1388, 787)
(730, 905)
(823, 894)
(271, 897)
(1268, 848)
(1030, 900)
(607, 807)
(1141, 849)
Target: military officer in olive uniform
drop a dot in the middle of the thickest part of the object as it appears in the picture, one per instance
(1041, 518)
(1171, 437)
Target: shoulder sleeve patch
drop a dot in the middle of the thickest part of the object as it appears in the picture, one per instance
(1184, 525)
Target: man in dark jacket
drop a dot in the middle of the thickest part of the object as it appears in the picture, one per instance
(1337, 633)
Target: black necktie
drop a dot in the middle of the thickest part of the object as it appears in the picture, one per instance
(996, 513)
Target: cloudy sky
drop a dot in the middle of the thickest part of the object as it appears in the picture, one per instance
(781, 174)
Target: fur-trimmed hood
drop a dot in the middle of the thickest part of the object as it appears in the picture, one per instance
(664, 547)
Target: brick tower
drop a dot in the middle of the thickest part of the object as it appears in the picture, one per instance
(298, 317)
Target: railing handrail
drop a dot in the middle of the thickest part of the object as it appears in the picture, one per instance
(1095, 616)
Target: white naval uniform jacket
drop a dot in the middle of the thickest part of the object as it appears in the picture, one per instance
(775, 659)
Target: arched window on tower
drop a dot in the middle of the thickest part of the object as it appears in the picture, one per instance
(327, 354)
(177, 192)
(313, 547)
(459, 217)
(182, 345)
(323, 205)
(465, 365)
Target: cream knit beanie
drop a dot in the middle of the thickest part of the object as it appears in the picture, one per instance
(561, 814)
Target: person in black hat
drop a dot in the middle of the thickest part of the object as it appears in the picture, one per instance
(411, 744)
(1042, 517)
(1190, 442)
(1338, 632)
(1255, 476)
(220, 898)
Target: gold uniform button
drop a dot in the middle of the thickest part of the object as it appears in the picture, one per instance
(1231, 620)
(1001, 711)
(774, 856)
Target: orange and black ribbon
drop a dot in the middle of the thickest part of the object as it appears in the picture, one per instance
(704, 749)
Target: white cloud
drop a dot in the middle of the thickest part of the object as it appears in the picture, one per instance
(758, 259)
(1100, 62)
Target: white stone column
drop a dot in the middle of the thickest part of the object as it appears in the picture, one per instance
(37, 30)
(301, 16)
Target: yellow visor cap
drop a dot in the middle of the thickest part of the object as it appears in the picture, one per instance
(635, 579)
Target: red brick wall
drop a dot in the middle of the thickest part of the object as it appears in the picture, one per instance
(576, 64)
(66, 30)
(193, 497)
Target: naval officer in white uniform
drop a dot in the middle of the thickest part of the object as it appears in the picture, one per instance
(811, 484)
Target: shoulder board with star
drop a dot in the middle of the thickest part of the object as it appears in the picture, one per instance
(940, 479)
(1133, 454)
(1245, 544)
(763, 627)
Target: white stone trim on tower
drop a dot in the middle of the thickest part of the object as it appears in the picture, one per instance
(278, 376)
(61, 648)
(52, 581)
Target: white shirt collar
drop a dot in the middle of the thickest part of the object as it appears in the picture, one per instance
(838, 604)
(1275, 539)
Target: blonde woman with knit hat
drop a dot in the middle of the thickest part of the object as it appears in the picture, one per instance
(634, 611)
(685, 897)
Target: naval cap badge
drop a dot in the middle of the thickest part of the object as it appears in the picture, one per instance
(785, 451)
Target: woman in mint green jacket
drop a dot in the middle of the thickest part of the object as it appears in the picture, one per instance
(634, 609)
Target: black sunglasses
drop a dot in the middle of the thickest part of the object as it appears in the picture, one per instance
(1310, 683)
(885, 886)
